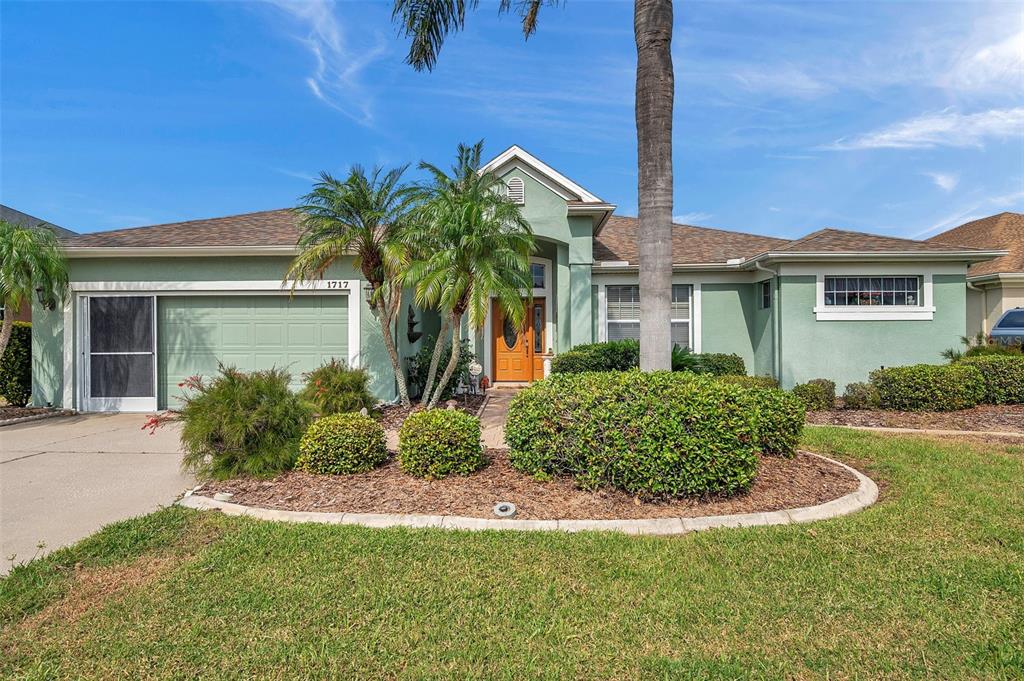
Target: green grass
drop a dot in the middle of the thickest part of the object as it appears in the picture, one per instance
(927, 584)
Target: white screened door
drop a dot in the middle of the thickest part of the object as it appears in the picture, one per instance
(120, 351)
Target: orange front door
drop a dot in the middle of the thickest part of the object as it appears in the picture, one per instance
(517, 350)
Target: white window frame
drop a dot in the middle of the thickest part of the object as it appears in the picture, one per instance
(695, 306)
(125, 404)
(826, 313)
(75, 391)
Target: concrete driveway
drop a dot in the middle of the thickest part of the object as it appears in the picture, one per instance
(61, 479)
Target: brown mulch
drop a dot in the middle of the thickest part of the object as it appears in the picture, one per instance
(781, 483)
(7, 413)
(393, 415)
(1002, 417)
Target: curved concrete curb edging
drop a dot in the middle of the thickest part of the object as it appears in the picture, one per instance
(865, 495)
(36, 417)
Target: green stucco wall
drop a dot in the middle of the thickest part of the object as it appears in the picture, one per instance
(761, 332)
(48, 332)
(727, 311)
(846, 351)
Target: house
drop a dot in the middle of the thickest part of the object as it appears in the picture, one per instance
(153, 305)
(8, 214)
(994, 286)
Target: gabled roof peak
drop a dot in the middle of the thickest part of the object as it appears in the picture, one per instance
(570, 190)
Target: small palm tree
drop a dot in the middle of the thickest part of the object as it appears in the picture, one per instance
(429, 22)
(479, 249)
(30, 259)
(365, 216)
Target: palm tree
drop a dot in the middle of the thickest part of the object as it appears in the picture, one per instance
(429, 22)
(364, 216)
(480, 247)
(31, 261)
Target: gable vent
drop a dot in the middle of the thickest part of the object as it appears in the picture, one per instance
(517, 191)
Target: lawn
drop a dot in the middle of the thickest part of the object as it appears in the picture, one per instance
(928, 583)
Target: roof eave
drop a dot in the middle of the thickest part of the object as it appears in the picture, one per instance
(173, 251)
(996, 277)
(970, 256)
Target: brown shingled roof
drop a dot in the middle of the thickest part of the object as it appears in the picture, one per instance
(690, 245)
(266, 228)
(1004, 231)
(841, 241)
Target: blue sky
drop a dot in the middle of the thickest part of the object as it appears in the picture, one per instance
(902, 118)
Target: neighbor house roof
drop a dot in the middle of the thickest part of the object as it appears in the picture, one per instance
(265, 228)
(691, 245)
(1003, 231)
(16, 217)
(831, 240)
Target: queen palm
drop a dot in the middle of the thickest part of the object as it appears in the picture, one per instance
(363, 216)
(480, 248)
(31, 260)
(429, 22)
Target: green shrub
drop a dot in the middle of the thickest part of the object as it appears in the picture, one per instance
(657, 434)
(817, 394)
(609, 356)
(780, 418)
(684, 360)
(929, 387)
(720, 364)
(750, 381)
(241, 423)
(861, 396)
(419, 366)
(16, 366)
(341, 444)
(440, 442)
(333, 388)
(1002, 375)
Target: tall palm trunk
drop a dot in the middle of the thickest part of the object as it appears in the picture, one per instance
(387, 312)
(655, 84)
(435, 360)
(456, 322)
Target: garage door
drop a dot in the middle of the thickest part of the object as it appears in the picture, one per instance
(248, 332)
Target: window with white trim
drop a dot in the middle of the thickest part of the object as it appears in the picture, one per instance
(766, 294)
(538, 273)
(623, 313)
(516, 190)
(870, 291)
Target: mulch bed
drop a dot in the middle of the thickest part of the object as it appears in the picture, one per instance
(1003, 417)
(393, 415)
(7, 413)
(781, 483)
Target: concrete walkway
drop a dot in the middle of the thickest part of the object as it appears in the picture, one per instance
(492, 420)
(61, 479)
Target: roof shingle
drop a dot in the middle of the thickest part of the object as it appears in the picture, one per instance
(1004, 231)
(266, 228)
(691, 245)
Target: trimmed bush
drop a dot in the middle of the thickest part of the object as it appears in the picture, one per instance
(929, 387)
(817, 394)
(860, 396)
(658, 434)
(750, 381)
(720, 364)
(16, 366)
(609, 356)
(440, 442)
(1002, 375)
(241, 423)
(333, 388)
(780, 418)
(342, 444)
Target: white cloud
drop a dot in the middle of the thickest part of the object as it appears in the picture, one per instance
(691, 218)
(975, 210)
(337, 79)
(782, 80)
(944, 181)
(944, 129)
(991, 65)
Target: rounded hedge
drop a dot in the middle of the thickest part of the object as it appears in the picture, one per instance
(342, 444)
(440, 442)
(607, 356)
(780, 420)
(658, 434)
(744, 381)
(929, 387)
(1002, 376)
(860, 396)
(817, 394)
(16, 366)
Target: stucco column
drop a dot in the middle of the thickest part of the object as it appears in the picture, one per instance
(581, 330)
(563, 299)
